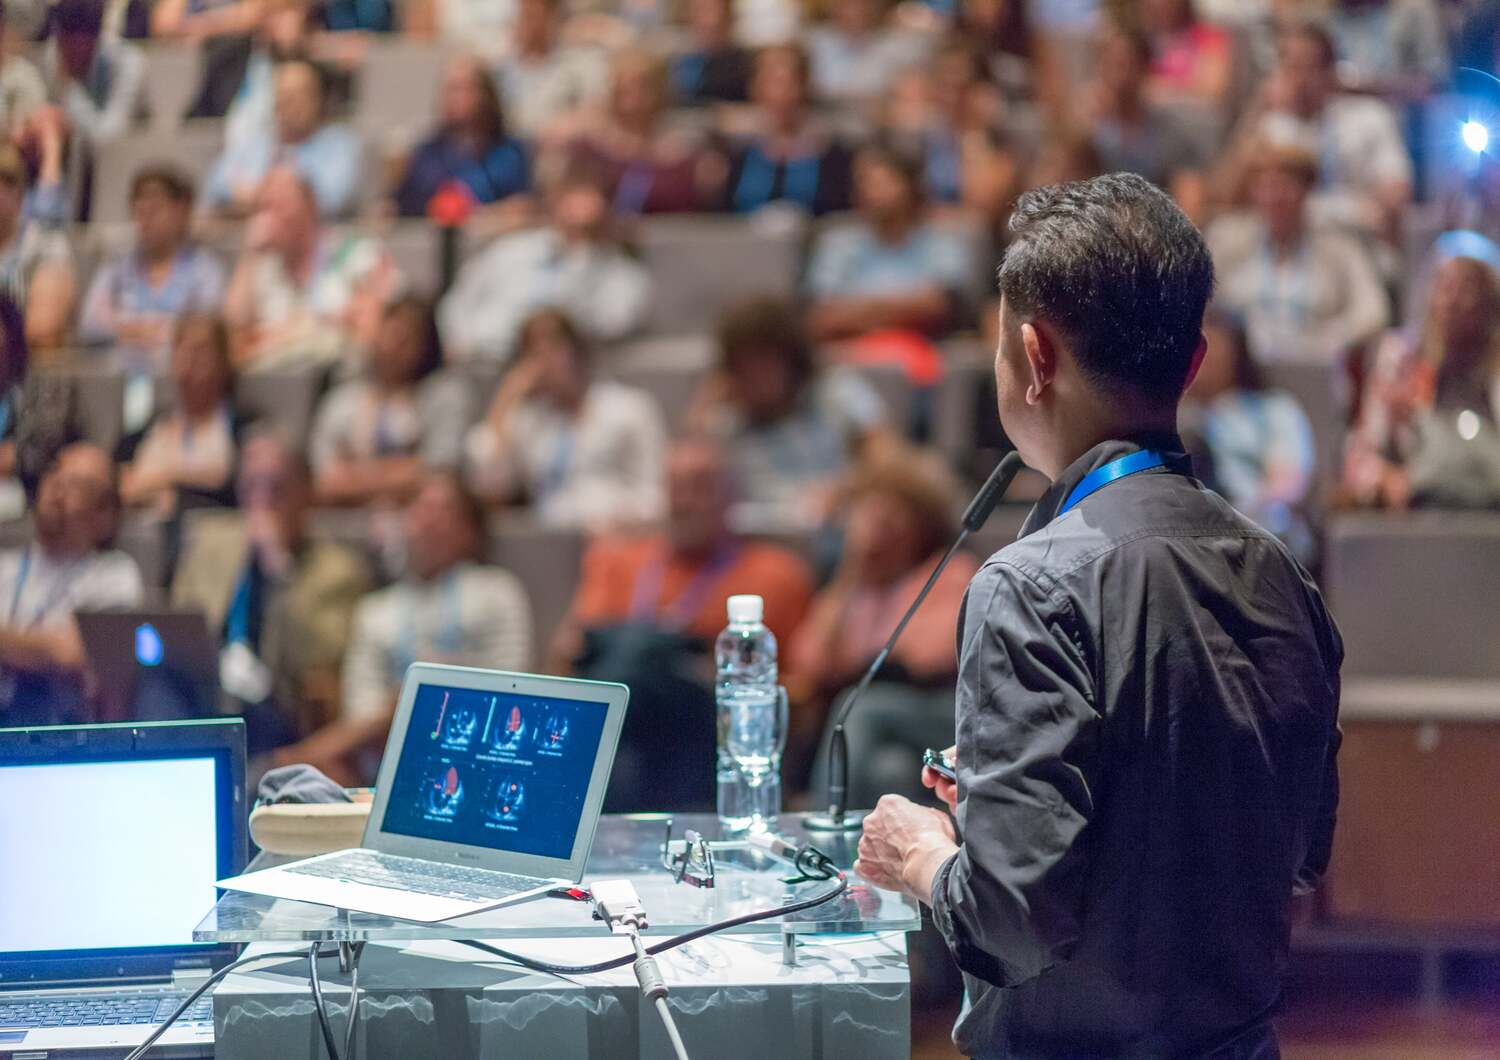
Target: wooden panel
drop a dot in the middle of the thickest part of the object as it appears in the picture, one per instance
(1418, 838)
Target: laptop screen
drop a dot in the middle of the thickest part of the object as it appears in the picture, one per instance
(495, 770)
(108, 855)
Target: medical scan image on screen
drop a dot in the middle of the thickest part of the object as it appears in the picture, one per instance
(494, 769)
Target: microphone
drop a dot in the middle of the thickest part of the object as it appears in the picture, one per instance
(838, 818)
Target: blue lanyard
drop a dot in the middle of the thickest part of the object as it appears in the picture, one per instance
(1124, 467)
(60, 590)
(449, 637)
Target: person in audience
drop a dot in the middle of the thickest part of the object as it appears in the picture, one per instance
(1132, 134)
(377, 437)
(204, 20)
(472, 149)
(579, 451)
(1306, 294)
(644, 166)
(542, 78)
(1365, 173)
(1426, 431)
(647, 611)
(711, 67)
(794, 430)
(1262, 446)
(98, 76)
(137, 296)
(854, 55)
(23, 91)
(1397, 49)
(448, 607)
(328, 156)
(900, 515)
(281, 600)
(36, 266)
(946, 117)
(891, 270)
(1192, 59)
(66, 568)
(998, 33)
(571, 264)
(303, 293)
(784, 153)
(186, 458)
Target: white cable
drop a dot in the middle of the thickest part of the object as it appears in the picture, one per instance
(654, 987)
(666, 1019)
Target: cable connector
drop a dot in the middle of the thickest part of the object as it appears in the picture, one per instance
(618, 904)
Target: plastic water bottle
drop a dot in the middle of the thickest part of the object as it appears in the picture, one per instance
(751, 723)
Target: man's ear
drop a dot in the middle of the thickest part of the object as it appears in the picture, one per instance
(1197, 362)
(1041, 361)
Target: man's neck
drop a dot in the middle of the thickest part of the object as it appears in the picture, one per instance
(158, 257)
(1084, 433)
(60, 550)
(892, 231)
(434, 575)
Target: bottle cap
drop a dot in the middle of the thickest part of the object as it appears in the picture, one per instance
(746, 610)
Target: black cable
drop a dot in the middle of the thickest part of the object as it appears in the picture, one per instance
(187, 1002)
(667, 944)
(356, 951)
(317, 994)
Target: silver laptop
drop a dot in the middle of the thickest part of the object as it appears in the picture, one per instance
(489, 793)
(112, 837)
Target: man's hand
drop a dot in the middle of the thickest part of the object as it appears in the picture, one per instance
(941, 786)
(904, 845)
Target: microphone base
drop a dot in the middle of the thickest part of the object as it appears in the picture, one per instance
(849, 821)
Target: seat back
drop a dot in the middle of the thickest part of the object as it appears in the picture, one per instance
(691, 258)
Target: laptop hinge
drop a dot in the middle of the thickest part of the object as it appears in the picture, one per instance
(190, 977)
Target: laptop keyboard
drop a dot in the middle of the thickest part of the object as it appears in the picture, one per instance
(102, 1010)
(419, 877)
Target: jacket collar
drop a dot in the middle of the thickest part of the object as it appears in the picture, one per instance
(1050, 504)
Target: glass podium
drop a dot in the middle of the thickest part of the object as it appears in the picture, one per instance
(625, 846)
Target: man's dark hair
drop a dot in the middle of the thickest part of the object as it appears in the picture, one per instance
(766, 326)
(1120, 272)
(171, 179)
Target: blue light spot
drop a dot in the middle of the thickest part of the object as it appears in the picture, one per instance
(148, 649)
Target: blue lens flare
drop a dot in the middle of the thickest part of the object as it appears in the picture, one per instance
(1476, 136)
(148, 648)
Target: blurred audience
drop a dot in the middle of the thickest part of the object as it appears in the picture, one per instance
(472, 150)
(1134, 135)
(1394, 48)
(793, 430)
(97, 76)
(67, 567)
(281, 600)
(1364, 170)
(710, 66)
(1191, 58)
(998, 32)
(644, 165)
(377, 437)
(1426, 434)
(22, 90)
(646, 613)
(542, 78)
(900, 515)
(855, 54)
(1261, 443)
(578, 451)
(1306, 293)
(779, 151)
(326, 155)
(36, 266)
(893, 268)
(137, 296)
(186, 457)
(303, 293)
(447, 608)
(571, 264)
(947, 117)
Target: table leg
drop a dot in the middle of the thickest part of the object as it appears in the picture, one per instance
(789, 949)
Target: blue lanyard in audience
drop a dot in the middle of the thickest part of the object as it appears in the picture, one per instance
(634, 188)
(60, 590)
(237, 619)
(1124, 467)
(450, 635)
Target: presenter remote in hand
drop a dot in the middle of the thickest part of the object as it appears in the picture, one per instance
(1148, 684)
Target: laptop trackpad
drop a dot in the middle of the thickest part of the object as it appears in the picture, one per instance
(12, 1037)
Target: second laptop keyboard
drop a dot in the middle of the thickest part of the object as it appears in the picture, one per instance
(419, 877)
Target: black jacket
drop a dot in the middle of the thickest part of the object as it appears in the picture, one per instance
(1147, 731)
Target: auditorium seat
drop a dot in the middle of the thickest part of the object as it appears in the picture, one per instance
(396, 92)
(692, 257)
(99, 392)
(670, 369)
(1323, 395)
(284, 397)
(173, 70)
(192, 147)
(143, 536)
(547, 562)
(414, 248)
